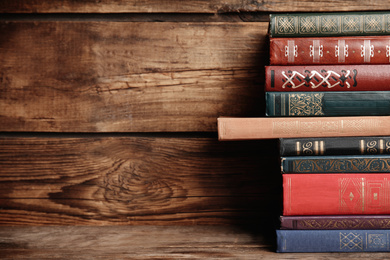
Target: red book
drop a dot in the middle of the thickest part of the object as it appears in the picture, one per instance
(336, 194)
(328, 78)
(330, 50)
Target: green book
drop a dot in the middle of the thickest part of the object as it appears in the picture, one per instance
(338, 103)
(329, 24)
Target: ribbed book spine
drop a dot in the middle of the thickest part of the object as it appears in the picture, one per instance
(336, 164)
(320, 78)
(329, 24)
(333, 241)
(330, 50)
(335, 222)
(357, 103)
(233, 128)
(336, 194)
(334, 146)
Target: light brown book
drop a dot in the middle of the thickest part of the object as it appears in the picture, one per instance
(234, 128)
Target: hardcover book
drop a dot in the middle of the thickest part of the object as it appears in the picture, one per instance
(330, 50)
(233, 128)
(333, 241)
(329, 24)
(334, 146)
(357, 103)
(336, 164)
(336, 194)
(335, 222)
(316, 78)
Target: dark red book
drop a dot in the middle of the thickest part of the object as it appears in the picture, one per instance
(340, 222)
(328, 78)
(336, 194)
(330, 50)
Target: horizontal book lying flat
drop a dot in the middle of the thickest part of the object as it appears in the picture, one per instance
(330, 50)
(335, 222)
(329, 24)
(336, 164)
(235, 128)
(336, 194)
(314, 78)
(334, 146)
(333, 241)
(357, 103)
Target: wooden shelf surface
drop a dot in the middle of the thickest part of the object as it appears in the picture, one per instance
(148, 242)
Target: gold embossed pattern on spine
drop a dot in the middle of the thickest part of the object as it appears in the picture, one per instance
(331, 24)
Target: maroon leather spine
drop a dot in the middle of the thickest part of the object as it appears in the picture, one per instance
(328, 78)
(335, 222)
(330, 50)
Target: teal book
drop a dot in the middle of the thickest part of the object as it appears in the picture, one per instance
(336, 164)
(329, 24)
(332, 241)
(343, 103)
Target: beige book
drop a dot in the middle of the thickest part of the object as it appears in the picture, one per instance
(233, 128)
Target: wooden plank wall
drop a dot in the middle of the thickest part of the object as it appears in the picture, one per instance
(108, 117)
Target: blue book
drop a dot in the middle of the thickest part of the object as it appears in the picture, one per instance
(331, 103)
(333, 241)
(336, 164)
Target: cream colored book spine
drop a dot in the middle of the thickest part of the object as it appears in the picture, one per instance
(231, 128)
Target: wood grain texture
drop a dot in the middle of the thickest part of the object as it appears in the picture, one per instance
(149, 242)
(193, 6)
(135, 180)
(128, 77)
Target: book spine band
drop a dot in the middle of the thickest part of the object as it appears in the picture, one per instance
(339, 164)
(333, 241)
(329, 24)
(230, 128)
(358, 103)
(334, 146)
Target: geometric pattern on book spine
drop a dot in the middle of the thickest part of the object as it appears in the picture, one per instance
(342, 223)
(331, 24)
(342, 165)
(318, 79)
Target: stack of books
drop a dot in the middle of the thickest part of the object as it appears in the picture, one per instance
(336, 194)
(333, 64)
(328, 100)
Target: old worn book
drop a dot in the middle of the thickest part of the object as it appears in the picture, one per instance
(320, 78)
(330, 50)
(333, 240)
(345, 103)
(334, 146)
(336, 194)
(336, 164)
(235, 128)
(335, 222)
(329, 24)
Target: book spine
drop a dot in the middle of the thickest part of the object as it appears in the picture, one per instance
(336, 164)
(357, 103)
(330, 50)
(231, 128)
(336, 194)
(320, 78)
(334, 146)
(335, 222)
(329, 24)
(333, 241)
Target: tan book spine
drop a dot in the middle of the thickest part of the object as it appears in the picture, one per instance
(230, 128)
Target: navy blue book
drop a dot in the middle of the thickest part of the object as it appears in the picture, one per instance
(331, 103)
(332, 241)
(336, 164)
(334, 146)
